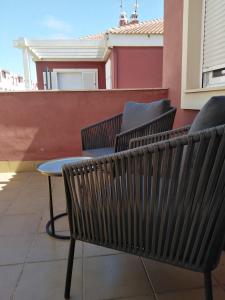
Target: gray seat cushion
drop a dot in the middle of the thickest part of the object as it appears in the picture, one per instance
(98, 152)
(137, 114)
(212, 114)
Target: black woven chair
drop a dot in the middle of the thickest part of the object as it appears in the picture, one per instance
(105, 137)
(164, 201)
(162, 136)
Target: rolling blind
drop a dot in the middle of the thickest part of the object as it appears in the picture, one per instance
(89, 80)
(214, 35)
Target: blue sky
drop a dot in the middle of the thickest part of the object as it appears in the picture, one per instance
(61, 19)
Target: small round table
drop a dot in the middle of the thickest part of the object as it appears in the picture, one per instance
(54, 168)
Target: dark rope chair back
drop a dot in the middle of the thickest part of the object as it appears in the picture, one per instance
(107, 134)
(163, 201)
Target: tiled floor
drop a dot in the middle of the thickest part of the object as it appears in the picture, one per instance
(33, 265)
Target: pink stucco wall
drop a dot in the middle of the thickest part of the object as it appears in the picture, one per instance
(137, 67)
(172, 58)
(132, 67)
(45, 125)
(42, 65)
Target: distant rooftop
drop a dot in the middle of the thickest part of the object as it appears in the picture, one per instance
(94, 47)
(149, 27)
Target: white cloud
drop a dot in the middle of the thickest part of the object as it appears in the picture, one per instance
(56, 25)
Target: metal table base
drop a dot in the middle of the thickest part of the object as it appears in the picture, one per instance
(50, 226)
(53, 168)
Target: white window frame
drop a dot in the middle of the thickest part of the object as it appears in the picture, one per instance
(193, 95)
(207, 78)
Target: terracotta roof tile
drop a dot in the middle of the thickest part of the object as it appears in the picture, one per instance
(96, 37)
(147, 27)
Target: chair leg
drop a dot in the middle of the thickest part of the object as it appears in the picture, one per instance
(208, 286)
(69, 268)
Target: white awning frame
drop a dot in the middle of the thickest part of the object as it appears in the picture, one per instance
(58, 50)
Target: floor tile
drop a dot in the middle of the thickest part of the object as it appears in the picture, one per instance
(198, 294)
(18, 224)
(61, 224)
(219, 274)
(107, 274)
(93, 250)
(8, 279)
(4, 205)
(26, 206)
(149, 297)
(46, 248)
(222, 259)
(166, 278)
(45, 281)
(8, 194)
(14, 249)
(116, 276)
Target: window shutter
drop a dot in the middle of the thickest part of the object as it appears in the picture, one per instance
(54, 80)
(50, 80)
(214, 35)
(45, 80)
(89, 80)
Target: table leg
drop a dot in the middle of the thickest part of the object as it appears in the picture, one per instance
(51, 205)
(50, 226)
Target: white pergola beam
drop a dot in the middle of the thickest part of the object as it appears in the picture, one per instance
(63, 49)
(26, 67)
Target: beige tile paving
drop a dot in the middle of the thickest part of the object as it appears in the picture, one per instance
(116, 276)
(166, 278)
(149, 297)
(27, 205)
(33, 265)
(45, 281)
(14, 249)
(93, 250)
(60, 225)
(45, 248)
(4, 205)
(195, 294)
(9, 276)
(219, 274)
(19, 224)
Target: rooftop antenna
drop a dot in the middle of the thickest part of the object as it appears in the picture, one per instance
(134, 15)
(123, 16)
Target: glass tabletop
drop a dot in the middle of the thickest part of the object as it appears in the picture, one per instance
(54, 167)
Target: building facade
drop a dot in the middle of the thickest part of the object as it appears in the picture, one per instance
(10, 81)
(129, 56)
(194, 56)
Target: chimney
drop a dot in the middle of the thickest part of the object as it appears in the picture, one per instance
(134, 15)
(123, 16)
(123, 19)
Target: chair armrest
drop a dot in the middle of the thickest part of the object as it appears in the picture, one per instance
(154, 138)
(101, 134)
(160, 124)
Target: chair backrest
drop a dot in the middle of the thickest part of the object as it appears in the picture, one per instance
(159, 201)
(212, 114)
(136, 114)
(162, 123)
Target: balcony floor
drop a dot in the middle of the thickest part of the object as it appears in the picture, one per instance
(33, 265)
